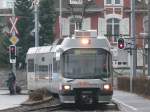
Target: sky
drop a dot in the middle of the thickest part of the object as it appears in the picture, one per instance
(5, 3)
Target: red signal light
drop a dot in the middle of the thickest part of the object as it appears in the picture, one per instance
(12, 52)
(121, 43)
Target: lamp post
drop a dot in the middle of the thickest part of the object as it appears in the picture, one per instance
(60, 18)
(133, 59)
(36, 19)
(13, 34)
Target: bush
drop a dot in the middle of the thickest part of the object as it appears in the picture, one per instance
(141, 85)
(39, 94)
(123, 83)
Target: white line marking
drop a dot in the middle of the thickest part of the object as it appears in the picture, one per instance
(131, 107)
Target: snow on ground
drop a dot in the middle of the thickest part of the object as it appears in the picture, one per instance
(10, 101)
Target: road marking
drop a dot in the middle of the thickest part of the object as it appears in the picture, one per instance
(129, 106)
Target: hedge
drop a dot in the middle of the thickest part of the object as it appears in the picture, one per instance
(141, 85)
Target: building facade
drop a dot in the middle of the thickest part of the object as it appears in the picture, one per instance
(6, 4)
(110, 18)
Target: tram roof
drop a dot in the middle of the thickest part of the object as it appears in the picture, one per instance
(43, 49)
(99, 42)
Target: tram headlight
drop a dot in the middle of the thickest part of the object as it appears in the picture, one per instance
(107, 87)
(85, 41)
(66, 87)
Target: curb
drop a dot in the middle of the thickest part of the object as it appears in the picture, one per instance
(118, 105)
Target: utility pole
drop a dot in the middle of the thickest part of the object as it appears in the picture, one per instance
(133, 60)
(60, 18)
(148, 37)
(36, 2)
(13, 34)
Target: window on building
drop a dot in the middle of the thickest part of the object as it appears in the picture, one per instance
(117, 2)
(72, 28)
(75, 24)
(108, 1)
(113, 27)
(119, 63)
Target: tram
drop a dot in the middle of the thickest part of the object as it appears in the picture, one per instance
(77, 68)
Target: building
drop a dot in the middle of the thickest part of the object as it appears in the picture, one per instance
(5, 13)
(109, 17)
(6, 4)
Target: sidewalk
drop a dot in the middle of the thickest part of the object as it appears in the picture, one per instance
(129, 102)
(10, 101)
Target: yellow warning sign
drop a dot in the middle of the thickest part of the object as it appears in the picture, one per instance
(14, 40)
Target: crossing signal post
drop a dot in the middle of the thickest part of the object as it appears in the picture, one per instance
(12, 53)
(121, 43)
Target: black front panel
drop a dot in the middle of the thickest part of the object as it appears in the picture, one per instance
(86, 96)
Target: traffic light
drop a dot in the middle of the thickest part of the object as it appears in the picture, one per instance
(121, 43)
(12, 52)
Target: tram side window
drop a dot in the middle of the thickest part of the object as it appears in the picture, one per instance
(30, 65)
(56, 65)
(43, 68)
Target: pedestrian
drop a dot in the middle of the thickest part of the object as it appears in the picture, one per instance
(11, 83)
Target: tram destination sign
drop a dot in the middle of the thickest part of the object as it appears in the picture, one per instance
(74, 2)
(90, 51)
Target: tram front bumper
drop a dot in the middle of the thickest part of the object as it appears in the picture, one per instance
(86, 96)
(67, 99)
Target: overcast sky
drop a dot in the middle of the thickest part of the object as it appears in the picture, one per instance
(5, 3)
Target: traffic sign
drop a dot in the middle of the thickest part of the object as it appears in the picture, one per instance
(13, 21)
(14, 40)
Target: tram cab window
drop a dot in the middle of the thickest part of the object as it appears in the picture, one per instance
(43, 68)
(87, 63)
(30, 65)
(42, 71)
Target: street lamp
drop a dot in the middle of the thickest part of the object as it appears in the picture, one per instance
(60, 18)
(36, 3)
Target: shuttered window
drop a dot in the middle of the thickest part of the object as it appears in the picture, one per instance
(113, 29)
(86, 25)
(101, 26)
(124, 26)
(65, 27)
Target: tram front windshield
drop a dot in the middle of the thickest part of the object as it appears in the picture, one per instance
(86, 64)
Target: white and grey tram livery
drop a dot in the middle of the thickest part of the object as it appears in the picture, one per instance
(78, 68)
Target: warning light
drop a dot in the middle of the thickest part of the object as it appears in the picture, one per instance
(121, 44)
(85, 41)
(12, 52)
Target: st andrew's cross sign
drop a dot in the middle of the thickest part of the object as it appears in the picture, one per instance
(13, 21)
